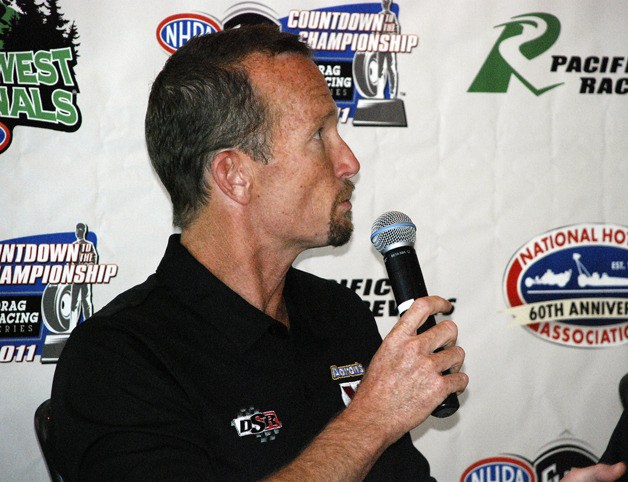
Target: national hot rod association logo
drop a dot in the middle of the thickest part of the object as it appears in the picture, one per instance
(37, 59)
(570, 285)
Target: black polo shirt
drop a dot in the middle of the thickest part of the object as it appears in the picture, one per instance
(180, 378)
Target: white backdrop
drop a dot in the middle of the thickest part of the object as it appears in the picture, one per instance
(482, 174)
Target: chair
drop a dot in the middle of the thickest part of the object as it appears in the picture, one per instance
(43, 421)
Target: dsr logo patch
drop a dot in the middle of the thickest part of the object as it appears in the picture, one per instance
(264, 425)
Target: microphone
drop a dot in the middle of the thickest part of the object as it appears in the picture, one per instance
(393, 234)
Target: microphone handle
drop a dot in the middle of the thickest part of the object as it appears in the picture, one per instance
(407, 284)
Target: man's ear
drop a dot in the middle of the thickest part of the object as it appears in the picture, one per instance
(230, 172)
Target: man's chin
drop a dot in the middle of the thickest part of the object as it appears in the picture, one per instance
(340, 232)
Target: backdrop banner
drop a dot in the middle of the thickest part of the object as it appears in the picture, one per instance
(496, 126)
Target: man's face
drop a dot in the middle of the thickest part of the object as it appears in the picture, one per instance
(304, 190)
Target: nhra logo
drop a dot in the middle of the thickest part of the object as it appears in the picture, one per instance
(264, 425)
(570, 285)
(499, 469)
(174, 31)
(552, 464)
(38, 55)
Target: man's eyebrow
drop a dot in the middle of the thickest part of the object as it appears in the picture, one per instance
(331, 113)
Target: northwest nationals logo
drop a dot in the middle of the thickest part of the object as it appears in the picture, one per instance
(46, 290)
(38, 55)
(552, 463)
(570, 285)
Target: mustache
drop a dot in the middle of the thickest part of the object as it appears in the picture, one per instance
(347, 190)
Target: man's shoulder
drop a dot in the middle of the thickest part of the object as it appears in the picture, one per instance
(127, 312)
(131, 298)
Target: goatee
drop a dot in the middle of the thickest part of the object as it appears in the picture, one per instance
(340, 230)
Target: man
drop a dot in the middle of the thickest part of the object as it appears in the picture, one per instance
(221, 365)
(227, 363)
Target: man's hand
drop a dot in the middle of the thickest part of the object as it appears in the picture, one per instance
(404, 381)
(402, 386)
(596, 473)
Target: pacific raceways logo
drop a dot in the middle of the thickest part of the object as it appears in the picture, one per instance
(521, 53)
(46, 291)
(38, 54)
(356, 47)
(570, 285)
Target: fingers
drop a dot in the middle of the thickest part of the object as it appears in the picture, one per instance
(439, 342)
(450, 359)
(419, 312)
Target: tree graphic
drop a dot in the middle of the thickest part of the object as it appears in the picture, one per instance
(35, 26)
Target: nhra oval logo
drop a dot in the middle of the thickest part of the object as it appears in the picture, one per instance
(499, 469)
(570, 285)
(173, 32)
(5, 137)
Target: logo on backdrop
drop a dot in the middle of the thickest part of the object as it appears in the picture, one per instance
(570, 285)
(552, 464)
(46, 291)
(355, 47)
(38, 55)
(517, 55)
(522, 40)
(377, 295)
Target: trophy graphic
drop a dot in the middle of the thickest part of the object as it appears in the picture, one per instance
(63, 305)
(377, 80)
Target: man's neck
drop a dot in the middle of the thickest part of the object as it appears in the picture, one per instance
(255, 271)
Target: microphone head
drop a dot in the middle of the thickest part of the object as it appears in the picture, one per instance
(392, 230)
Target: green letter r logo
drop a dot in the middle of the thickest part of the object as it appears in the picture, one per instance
(495, 74)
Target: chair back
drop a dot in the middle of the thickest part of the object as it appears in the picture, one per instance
(43, 422)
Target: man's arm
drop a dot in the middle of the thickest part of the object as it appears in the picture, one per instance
(402, 386)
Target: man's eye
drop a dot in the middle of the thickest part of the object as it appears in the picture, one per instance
(318, 134)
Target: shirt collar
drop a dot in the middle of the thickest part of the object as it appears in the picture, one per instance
(239, 321)
(217, 304)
